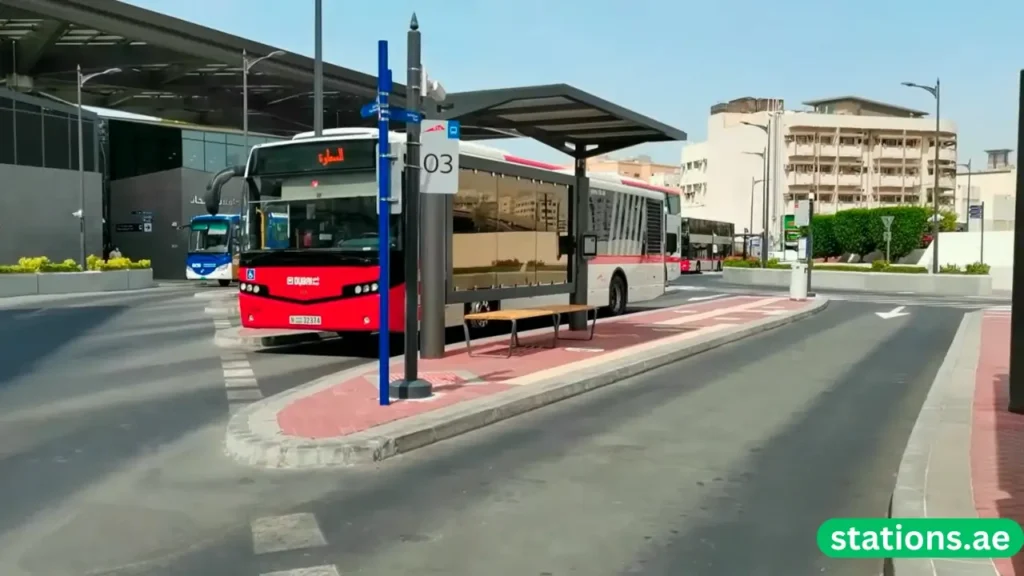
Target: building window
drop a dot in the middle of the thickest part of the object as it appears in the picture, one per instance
(56, 140)
(192, 153)
(6, 132)
(216, 156)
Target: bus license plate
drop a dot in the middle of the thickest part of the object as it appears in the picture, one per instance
(304, 320)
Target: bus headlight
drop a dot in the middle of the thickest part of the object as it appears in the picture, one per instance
(255, 289)
(374, 287)
(242, 286)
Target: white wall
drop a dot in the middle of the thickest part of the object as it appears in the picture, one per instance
(963, 248)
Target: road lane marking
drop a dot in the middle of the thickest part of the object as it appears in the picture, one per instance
(285, 533)
(245, 395)
(720, 312)
(329, 570)
(238, 373)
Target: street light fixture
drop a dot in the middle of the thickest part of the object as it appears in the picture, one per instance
(968, 219)
(247, 65)
(764, 208)
(936, 92)
(81, 159)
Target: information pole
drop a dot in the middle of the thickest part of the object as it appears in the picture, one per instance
(383, 218)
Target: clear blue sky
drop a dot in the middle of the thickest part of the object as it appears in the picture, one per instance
(672, 60)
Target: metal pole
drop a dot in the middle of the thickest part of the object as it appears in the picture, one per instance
(1016, 403)
(247, 237)
(318, 71)
(434, 217)
(810, 241)
(81, 177)
(968, 196)
(935, 187)
(383, 217)
(764, 216)
(753, 182)
(981, 257)
(769, 173)
(411, 386)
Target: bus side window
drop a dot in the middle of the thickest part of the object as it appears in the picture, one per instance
(671, 243)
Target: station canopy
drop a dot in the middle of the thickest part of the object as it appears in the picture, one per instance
(170, 68)
(177, 70)
(561, 116)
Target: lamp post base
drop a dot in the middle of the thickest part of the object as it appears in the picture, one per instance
(414, 390)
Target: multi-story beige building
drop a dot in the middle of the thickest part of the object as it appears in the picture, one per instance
(850, 151)
(639, 167)
(995, 184)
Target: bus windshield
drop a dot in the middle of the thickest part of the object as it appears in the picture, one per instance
(209, 236)
(346, 224)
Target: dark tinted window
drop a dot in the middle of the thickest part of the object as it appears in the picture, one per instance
(6, 132)
(56, 141)
(137, 149)
(316, 157)
(29, 136)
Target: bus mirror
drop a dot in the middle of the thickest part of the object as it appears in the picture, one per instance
(589, 246)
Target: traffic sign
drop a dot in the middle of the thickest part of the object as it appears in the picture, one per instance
(887, 222)
(977, 211)
(147, 227)
(439, 157)
(407, 116)
(368, 110)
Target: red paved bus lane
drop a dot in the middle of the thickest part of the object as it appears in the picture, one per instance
(318, 424)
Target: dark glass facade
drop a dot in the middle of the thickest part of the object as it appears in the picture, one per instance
(43, 134)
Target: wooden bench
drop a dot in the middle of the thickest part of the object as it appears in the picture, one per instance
(560, 309)
(515, 315)
(512, 316)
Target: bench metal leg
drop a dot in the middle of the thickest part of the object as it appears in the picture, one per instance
(513, 340)
(465, 331)
(590, 334)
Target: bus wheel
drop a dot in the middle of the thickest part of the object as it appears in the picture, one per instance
(224, 282)
(618, 296)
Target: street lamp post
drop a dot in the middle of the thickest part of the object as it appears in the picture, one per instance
(753, 182)
(968, 219)
(937, 93)
(81, 159)
(247, 65)
(766, 157)
(764, 207)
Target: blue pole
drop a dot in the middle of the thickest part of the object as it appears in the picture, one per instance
(383, 218)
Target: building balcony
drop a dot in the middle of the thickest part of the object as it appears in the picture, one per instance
(828, 150)
(896, 181)
(800, 179)
(828, 179)
(849, 179)
(850, 151)
(795, 149)
(948, 154)
(896, 152)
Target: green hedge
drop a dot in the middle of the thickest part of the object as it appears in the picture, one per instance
(860, 231)
(42, 264)
(975, 269)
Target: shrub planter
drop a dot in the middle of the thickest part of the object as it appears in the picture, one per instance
(29, 284)
(933, 284)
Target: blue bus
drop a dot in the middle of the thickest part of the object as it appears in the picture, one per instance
(214, 242)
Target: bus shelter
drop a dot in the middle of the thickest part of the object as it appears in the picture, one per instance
(567, 119)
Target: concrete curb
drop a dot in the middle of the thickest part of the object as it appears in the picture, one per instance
(254, 438)
(939, 450)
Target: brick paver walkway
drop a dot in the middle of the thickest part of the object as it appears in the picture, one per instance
(997, 436)
(351, 406)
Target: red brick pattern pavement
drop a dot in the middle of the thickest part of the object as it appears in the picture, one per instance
(352, 406)
(997, 437)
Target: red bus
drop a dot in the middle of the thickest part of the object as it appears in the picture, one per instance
(505, 235)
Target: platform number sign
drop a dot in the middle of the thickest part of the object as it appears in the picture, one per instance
(439, 157)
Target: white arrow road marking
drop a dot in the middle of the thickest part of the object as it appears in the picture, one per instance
(894, 313)
(702, 298)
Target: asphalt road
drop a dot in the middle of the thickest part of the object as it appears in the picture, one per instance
(725, 463)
